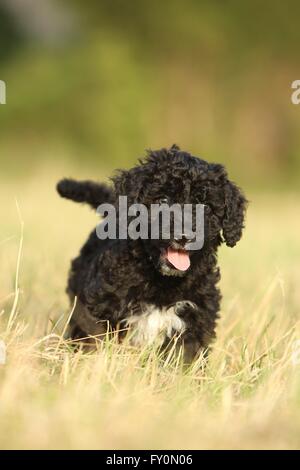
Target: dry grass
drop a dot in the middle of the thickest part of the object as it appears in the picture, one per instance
(53, 397)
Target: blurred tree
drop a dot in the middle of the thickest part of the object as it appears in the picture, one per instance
(47, 21)
(10, 37)
(212, 76)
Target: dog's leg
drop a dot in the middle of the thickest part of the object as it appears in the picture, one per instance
(84, 327)
(200, 323)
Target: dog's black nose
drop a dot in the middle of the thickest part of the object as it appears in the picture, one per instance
(185, 238)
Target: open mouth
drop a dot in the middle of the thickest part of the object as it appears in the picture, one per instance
(179, 259)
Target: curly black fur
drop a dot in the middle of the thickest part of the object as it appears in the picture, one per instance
(113, 279)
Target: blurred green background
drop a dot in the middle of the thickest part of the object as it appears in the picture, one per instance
(92, 84)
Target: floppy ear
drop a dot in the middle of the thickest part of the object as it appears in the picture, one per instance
(234, 213)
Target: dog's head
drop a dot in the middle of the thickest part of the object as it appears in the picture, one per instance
(171, 176)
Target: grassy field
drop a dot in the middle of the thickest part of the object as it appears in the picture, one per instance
(52, 397)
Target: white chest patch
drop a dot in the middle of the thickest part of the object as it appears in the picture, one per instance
(154, 325)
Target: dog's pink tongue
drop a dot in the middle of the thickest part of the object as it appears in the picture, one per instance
(179, 259)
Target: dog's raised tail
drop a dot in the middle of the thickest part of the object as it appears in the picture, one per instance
(87, 192)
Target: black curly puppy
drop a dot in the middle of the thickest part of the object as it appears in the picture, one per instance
(156, 288)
